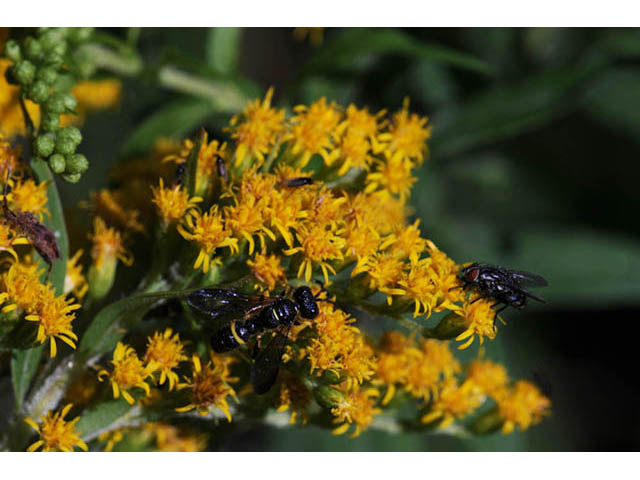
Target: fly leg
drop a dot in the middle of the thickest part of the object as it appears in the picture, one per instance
(498, 311)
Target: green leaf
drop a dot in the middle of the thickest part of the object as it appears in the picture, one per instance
(24, 365)
(354, 43)
(191, 168)
(223, 45)
(55, 221)
(173, 120)
(105, 417)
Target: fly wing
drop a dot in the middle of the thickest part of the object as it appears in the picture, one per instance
(532, 295)
(264, 370)
(527, 278)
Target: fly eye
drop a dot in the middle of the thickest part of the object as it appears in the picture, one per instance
(472, 274)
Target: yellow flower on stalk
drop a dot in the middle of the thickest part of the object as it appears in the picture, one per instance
(245, 221)
(26, 196)
(257, 129)
(480, 321)
(9, 239)
(384, 272)
(128, 372)
(407, 135)
(172, 203)
(318, 246)
(419, 285)
(491, 378)
(407, 242)
(56, 433)
(284, 214)
(294, 396)
(172, 439)
(357, 408)
(164, 353)
(208, 386)
(21, 288)
(311, 131)
(428, 366)
(107, 204)
(74, 281)
(454, 402)
(267, 269)
(209, 231)
(108, 245)
(445, 277)
(361, 122)
(11, 118)
(522, 405)
(54, 317)
(392, 362)
(393, 175)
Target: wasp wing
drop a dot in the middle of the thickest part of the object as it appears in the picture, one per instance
(221, 306)
(527, 278)
(264, 370)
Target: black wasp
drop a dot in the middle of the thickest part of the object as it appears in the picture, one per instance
(249, 315)
(503, 285)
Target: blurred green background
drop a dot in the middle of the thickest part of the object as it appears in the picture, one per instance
(533, 165)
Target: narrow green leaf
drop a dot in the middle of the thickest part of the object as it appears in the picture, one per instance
(105, 417)
(352, 44)
(174, 120)
(192, 165)
(223, 45)
(55, 221)
(24, 365)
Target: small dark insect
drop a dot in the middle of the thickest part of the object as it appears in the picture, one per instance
(297, 182)
(180, 171)
(222, 168)
(40, 236)
(501, 284)
(250, 315)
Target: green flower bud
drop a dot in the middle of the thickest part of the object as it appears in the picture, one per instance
(39, 91)
(59, 48)
(70, 133)
(79, 35)
(101, 279)
(449, 327)
(33, 49)
(50, 121)
(65, 146)
(47, 74)
(57, 163)
(41, 30)
(50, 38)
(44, 145)
(54, 60)
(24, 72)
(61, 102)
(72, 178)
(330, 377)
(12, 51)
(77, 163)
(327, 397)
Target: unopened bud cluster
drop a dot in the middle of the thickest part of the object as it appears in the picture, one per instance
(46, 66)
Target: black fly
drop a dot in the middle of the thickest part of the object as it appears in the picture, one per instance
(501, 284)
(297, 182)
(248, 315)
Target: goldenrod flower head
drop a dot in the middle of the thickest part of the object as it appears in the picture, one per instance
(74, 281)
(284, 213)
(172, 439)
(428, 366)
(407, 134)
(208, 386)
(294, 396)
(312, 129)
(407, 242)
(107, 204)
(22, 289)
(393, 362)
(56, 433)
(112, 438)
(393, 175)
(11, 118)
(361, 122)
(172, 203)
(9, 238)
(245, 221)
(54, 317)
(26, 196)
(318, 245)
(445, 272)
(164, 353)
(454, 402)
(209, 232)
(256, 131)
(488, 376)
(358, 408)
(108, 245)
(419, 284)
(522, 405)
(361, 241)
(384, 272)
(479, 316)
(267, 269)
(128, 372)
(323, 206)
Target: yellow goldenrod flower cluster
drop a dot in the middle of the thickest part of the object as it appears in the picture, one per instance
(56, 433)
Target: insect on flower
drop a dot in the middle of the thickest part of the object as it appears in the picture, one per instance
(248, 315)
(297, 182)
(501, 284)
(40, 236)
